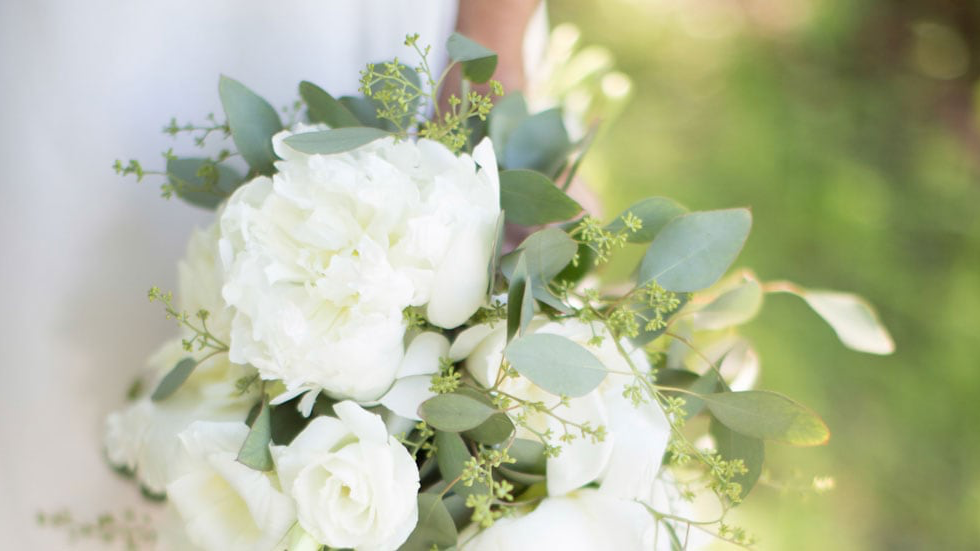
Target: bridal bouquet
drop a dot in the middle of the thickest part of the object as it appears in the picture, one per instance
(367, 361)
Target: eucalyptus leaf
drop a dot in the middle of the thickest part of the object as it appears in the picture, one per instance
(520, 300)
(540, 142)
(498, 243)
(530, 199)
(556, 364)
(479, 62)
(454, 412)
(338, 140)
(322, 107)
(255, 451)
(733, 307)
(494, 430)
(529, 455)
(853, 319)
(546, 252)
(452, 455)
(365, 110)
(504, 118)
(732, 445)
(202, 182)
(694, 250)
(435, 526)
(174, 378)
(645, 337)
(654, 212)
(769, 416)
(705, 384)
(252, 121)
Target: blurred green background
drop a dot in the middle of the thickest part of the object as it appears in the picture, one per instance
(851, 129)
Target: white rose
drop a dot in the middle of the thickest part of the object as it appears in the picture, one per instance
(627, 461)
(322, 259)
(142, 437)
(583, 520)
(225, 505)
(353, 485)
(414, 378)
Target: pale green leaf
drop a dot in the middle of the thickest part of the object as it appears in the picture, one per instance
(520, 300)
(694, 250)
(494, 430)
(451, 456)
(556, 364)
(255, 451)
(733, 307)
(338, 140)
(654, 212)
(454, 412)
(769, 416)
(322, 107)
(252, 121)
(504, 118)
(499, 235)
(529, 198)
(540, 142)
(479, 62)
(853, 319)
(174, 378)
(187, 176)
(435, 526)
(732, 445)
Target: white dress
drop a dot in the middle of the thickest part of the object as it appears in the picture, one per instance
(84, 83)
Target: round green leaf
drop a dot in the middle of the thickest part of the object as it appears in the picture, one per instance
(173, 379)
(338, 140)
(529, 198)
(451, 456)
(435, 526)
(733, 307)
(479, 62)
(504, 118)
(540, 142)
(768, 415)
(732, 445)
(494, 430)
(556, 364)
(322, 107)
(454, 412)
(694, 250)
(654, 212)
(853, 319)
(252, 121)
(255, 451)
(202, 182)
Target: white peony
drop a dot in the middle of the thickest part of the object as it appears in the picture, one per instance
(415, 373)
(353, 485)
(225, 505)
(321, 259)
(628, 460)
(199, 281)
(142, 437)
(583, 520)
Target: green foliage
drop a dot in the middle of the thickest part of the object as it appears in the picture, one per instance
(255, 452)
(653, 212)
(452, 457)
(339, 140)
(504, 119)
(520, 299)
(324, 108)
(694, 250)
(529, 198)
(201, 182)
(133, 531)
(733, 446)
(556, 364)
(539, 142)
(769, 416)
(173, 379)
(454, 412)
(435, 528)
(252, 121)
(478, 62)
(853, 319)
